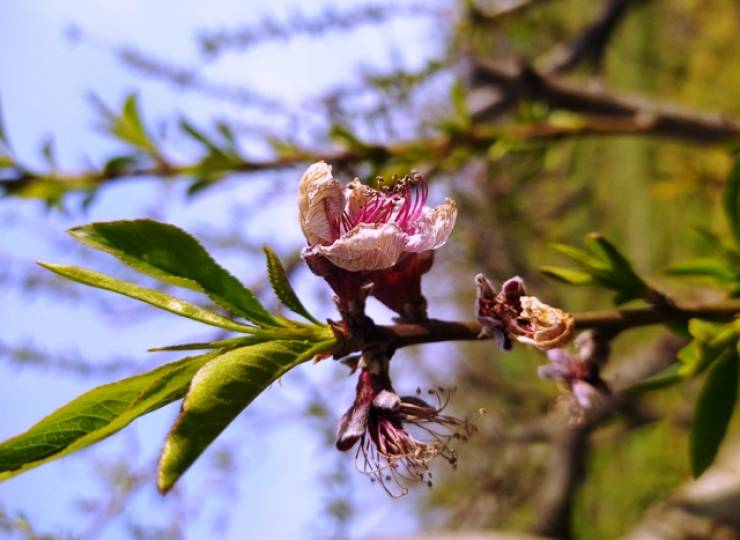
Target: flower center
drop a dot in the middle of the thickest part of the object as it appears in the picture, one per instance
(403, 205)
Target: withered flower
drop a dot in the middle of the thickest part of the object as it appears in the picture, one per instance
(379, 420)
(509, 314)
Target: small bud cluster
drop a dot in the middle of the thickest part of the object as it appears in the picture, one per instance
(579, 372)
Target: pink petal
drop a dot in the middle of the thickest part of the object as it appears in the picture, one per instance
(433, 227)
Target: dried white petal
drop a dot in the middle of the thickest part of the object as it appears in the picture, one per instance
(551, 327)
(320, 204)
(369, 246)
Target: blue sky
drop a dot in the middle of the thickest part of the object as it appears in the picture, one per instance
(44, 81)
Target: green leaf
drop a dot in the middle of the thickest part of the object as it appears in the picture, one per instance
(169, 253)
(731, 201)
(201, 137)
(128, 125)
(119, 166)
(97, 414)
(669, 376)
(282, 287)
(150, 296)
(622, 271)
(220, 391)
(222, 344)
(567, 275)
(703, 267)
(343, 135)
(710, 341)
(579, 255)
(713, 412)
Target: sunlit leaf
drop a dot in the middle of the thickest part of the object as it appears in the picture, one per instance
(713, 411)
(220, 391)
(169, 253)
(710, 341)
(579, 255)
(150, 296)
(222, 344)
(97, 414)
(126, 126)
(567, 275)
(282, 287)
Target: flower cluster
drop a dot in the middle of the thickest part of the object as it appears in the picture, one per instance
(358, 235)
(367, 241)
(378, 419)
(509, 314)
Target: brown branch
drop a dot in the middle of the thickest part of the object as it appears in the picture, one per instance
(608, 117)
(591, 45)
(613, 321)
(639, 115)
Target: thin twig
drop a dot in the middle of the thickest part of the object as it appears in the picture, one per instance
(613, 321)
(640, 115)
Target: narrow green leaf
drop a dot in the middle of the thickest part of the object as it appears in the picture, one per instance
(131, 114)
(713, 411)
(119, 165)
(567, 275)
(579, 255)
(622, 269)
(669, 376)
(343, 135)
(126, 126)
(201, 137)
(48, 153)
(220, 391)
(169, 253)
(222, 344)
(97, 414)
(710, 341)
(703, 267)
(282, 287)
(228, 135)
(150, 296)
(731, 201)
